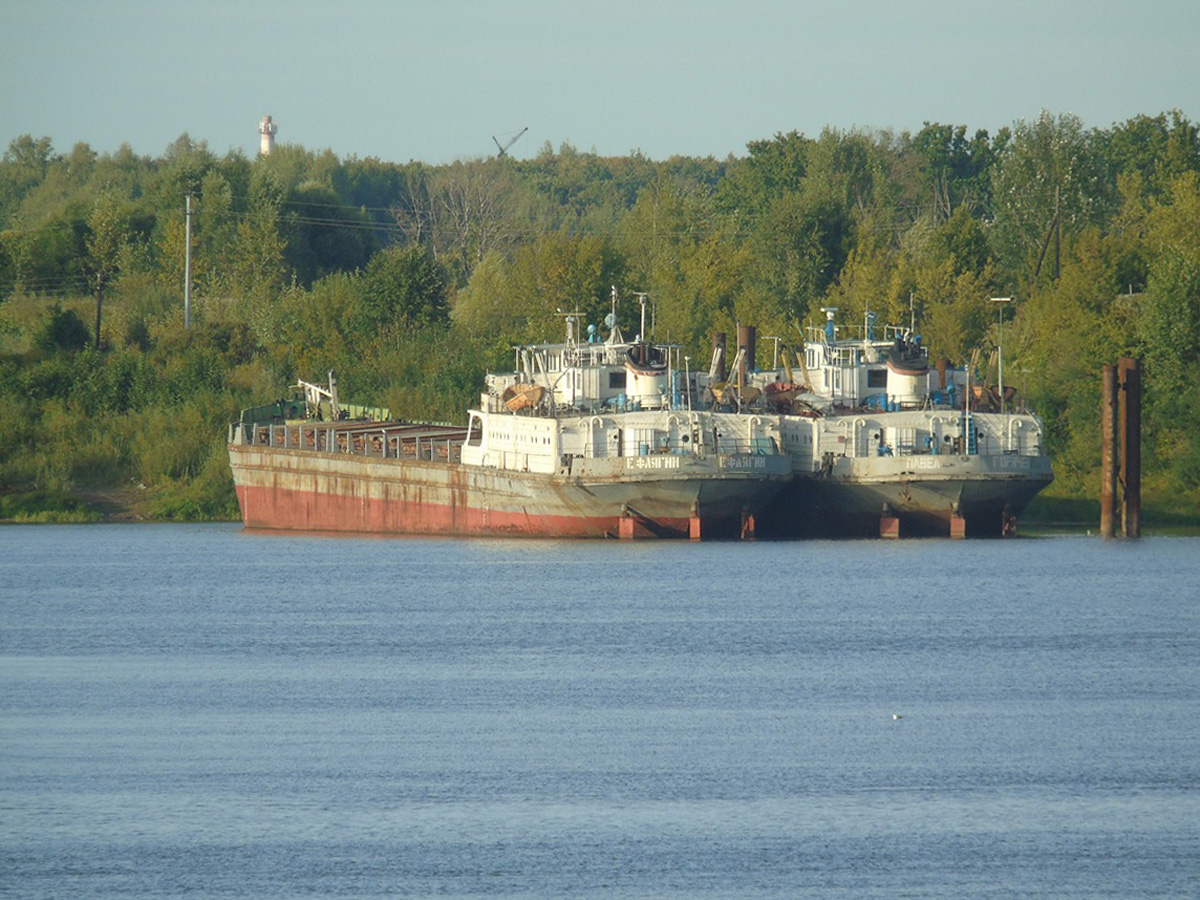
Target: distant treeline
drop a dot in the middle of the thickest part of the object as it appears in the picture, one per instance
(411, 280)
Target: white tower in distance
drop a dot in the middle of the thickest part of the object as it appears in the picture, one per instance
(267, 129)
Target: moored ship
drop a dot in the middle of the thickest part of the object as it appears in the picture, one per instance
(585, 438)
(885, 443)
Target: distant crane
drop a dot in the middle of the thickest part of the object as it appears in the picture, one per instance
(504, 147)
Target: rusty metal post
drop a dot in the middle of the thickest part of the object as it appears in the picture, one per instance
(747, 526)
(1008, 522)
(1131, 446)
(958, 526)
(1108, 451)
(889, 524)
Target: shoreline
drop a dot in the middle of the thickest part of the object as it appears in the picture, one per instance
(132, 504)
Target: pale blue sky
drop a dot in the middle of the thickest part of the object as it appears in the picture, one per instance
(434, 80)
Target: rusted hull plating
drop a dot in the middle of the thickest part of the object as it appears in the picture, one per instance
(978, 496)
(319, 491)
(981, 509)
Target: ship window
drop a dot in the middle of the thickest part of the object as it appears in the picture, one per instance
(616, 381)
(876, 378)
(475, 433)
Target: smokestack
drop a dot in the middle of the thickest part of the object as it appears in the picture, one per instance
(746, 340)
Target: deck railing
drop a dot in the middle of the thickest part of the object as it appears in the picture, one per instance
(406, 441)
(382, 442)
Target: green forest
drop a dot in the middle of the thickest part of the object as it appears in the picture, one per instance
(412, 280)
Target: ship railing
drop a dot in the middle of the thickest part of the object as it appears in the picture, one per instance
(444, 444)
(403, 441)
(721, 446)
(977, 443)
(730, 446)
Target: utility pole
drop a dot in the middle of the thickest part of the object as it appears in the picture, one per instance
(1057, 236)
(187, 262)
(1053, 232)
(1000, 347)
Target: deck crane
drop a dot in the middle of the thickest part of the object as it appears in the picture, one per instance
(504, 147)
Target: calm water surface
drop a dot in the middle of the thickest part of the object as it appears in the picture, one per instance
(193, 710)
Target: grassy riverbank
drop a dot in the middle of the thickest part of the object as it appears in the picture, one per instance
(131, 503)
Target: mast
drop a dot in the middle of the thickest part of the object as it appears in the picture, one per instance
(642, 295)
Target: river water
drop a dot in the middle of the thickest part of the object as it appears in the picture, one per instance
(199, 711)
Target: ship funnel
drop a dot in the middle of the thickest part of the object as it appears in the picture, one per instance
(908, 374)
(746, 341)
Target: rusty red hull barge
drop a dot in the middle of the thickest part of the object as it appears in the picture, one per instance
(409, 479)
